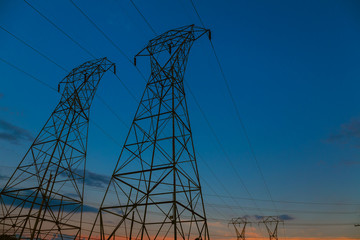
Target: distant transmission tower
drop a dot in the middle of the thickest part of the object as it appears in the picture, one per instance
(271, 223)
(240, 226)
(155, 190)
(43, 199)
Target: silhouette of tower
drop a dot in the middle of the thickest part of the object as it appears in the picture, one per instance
(271, 224)
(240, 226)
(155, 191)
(43, 199)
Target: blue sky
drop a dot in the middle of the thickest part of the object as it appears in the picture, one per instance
(293, 68)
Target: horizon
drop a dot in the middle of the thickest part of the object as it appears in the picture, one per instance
(272, 99)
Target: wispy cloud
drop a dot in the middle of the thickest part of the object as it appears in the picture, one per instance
(349, 133)
(8, 111)
(3, 177)
(284, 217)
(349, 163)
(13, 134)
(96, 180)
(91, 179)
(53, 202)
(258, 217)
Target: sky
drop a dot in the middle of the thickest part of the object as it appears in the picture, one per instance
(293, 71)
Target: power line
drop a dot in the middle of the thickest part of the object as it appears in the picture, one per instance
(219, 196)
(233, 208)
(106, 134)
(102, 32)
(58, 28)
(221, 146)
(99, 29)
(28, 74)
(289, 210)
(290, 224)
(112, 111)
(40, 53)
(256, 237)
(198, 105)
(216, 206)
(218, 180)
(211, 128)
(242, 124)
(52, 88)
(237, 111)
(200, 110)
(298, 202)
(78, 44)
(55, 90)
(126, 88)
(116, 75)
(113, 44)
(97, 189)
(197, 13)
(65, 70)
(222, 196)
(143, 17)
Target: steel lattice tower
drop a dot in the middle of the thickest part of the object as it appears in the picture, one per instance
(271, 224)
(240, 226)
(155, 191)
(43, 199)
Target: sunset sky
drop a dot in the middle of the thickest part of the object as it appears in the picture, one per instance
(293, 68)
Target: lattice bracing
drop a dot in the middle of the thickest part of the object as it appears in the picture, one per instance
(272, 223)
(240, 227)
(155, 190)
(43, 199)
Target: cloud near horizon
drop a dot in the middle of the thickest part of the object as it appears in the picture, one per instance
(284, 217)
(349, 133)
(96, 180)
(91, 179)
(52, 203)
(14, 134)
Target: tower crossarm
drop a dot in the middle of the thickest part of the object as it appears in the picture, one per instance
(172, 39)
(83, 81)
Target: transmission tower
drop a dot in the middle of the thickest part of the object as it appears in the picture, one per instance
(155, 191)
(239, 225)
(43, 199)
(271, 223)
